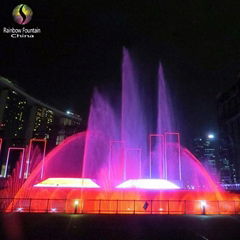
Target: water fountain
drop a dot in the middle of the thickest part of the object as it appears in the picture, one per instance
(119, 164)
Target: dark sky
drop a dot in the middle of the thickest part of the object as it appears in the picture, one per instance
(80, 47)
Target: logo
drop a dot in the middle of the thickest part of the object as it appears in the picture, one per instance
(22, 14)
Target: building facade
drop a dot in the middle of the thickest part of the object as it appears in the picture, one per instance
(205, 149)
(23, 117)
(228, 107)
(213, 153)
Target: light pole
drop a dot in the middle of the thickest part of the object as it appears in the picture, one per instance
(203, 206)
(76, 203)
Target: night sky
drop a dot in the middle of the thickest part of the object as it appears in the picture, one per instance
(81, 44)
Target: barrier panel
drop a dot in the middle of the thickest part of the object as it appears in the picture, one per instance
(99, 206)
(39, 205)
(177, 207)
(160, 207)
(143, 207)
(193, 207)
(237, 207)
(5, 203)
(57, 206)
(108, 206)
(126, 206)
(212, 207)
(91, 206)
(227, 208)
(21, 205)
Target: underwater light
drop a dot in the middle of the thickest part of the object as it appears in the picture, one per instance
(68, 183)
(148, 184)
(53, 210)
(20, 209)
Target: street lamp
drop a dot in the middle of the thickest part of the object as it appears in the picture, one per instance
(76, 203)
(211, 136)
(203, 206)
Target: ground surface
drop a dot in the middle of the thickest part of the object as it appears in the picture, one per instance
(114, 227)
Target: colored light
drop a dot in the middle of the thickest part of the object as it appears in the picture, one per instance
(148, 184)
(203, 203)
(53, 210)
(76, 202)
(20, 209)
(69, 112)
(211, 136)
(68, 183)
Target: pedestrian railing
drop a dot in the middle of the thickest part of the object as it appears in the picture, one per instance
(102, 206)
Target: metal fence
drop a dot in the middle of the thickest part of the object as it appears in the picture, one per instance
(89, 206)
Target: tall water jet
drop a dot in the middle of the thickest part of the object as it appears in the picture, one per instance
(170, 161)
(102, 130)
(165, 120)
(164, 144)
(133, 122)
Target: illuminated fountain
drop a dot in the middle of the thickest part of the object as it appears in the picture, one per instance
(123, 158)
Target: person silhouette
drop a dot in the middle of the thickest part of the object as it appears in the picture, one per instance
(145, 205)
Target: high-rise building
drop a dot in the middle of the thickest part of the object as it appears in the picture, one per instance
(206, 150)
(226, 169)
(214, 154)
(23, 117)
(13, 112)
(228, 107)
(67, 127)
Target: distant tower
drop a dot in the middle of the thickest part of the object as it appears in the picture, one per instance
(214, 156)
(205, 149)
